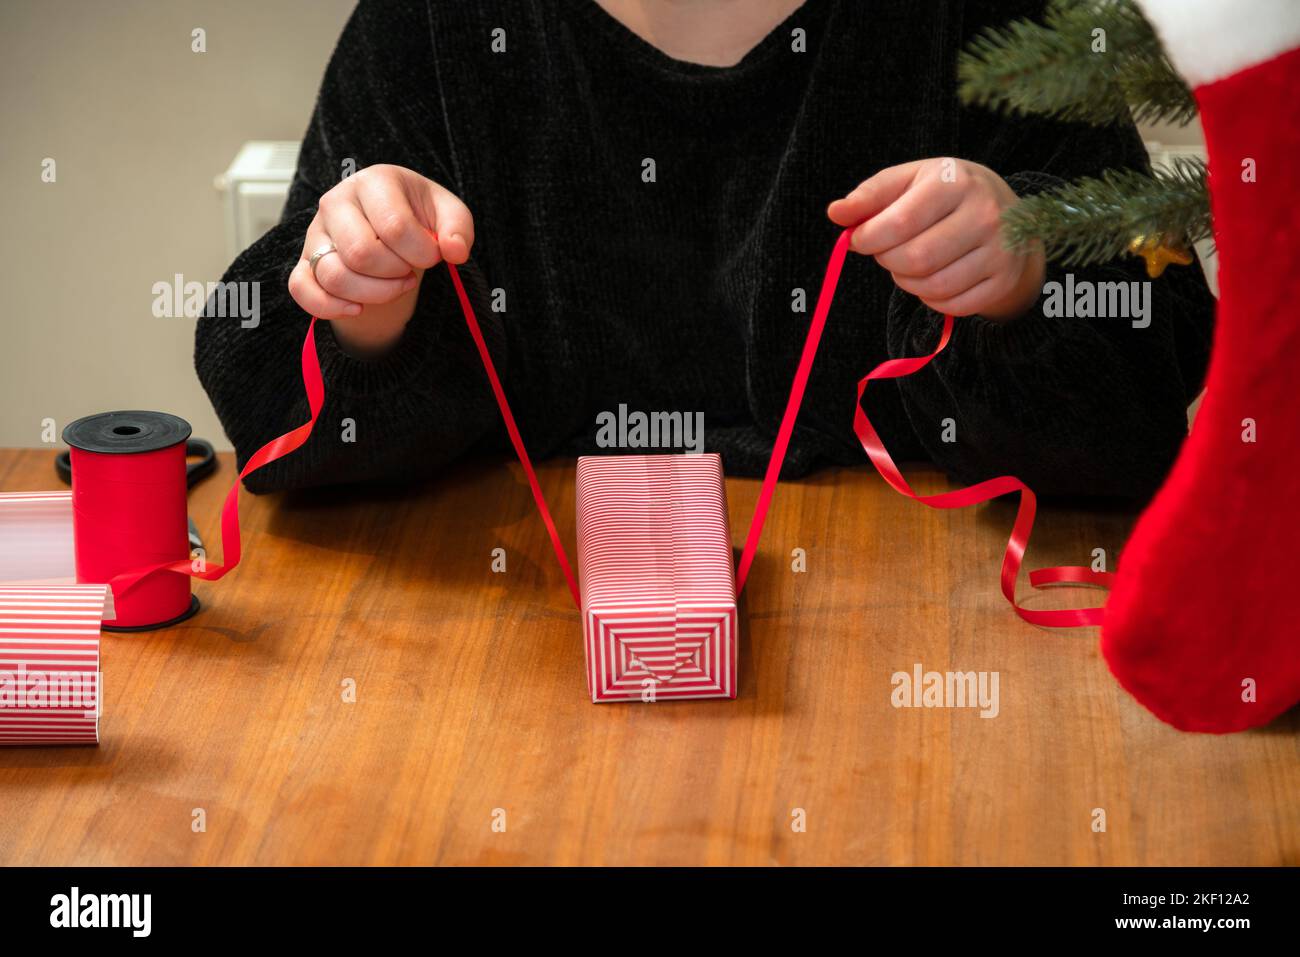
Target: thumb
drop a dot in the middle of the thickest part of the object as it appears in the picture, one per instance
(450, 221)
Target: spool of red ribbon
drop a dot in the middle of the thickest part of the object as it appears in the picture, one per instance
(128, 503)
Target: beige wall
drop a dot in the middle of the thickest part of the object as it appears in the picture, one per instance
(1168, 135)
(138, 126)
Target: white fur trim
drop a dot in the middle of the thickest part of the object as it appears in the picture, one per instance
(1212, 39)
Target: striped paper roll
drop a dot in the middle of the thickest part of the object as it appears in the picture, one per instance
(49, 626)
(49, 663)
(657, 582)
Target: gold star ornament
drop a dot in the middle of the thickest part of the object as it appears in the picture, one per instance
(1159, 252)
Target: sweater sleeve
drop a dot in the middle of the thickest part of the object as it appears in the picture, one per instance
(425, 401)
(1072, 406)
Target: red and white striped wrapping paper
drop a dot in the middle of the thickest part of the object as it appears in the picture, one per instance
(49, 663)
(49, 626)
(656, 576)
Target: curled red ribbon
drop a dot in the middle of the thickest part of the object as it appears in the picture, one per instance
(891, 369)
(974, 494)
(275, 449)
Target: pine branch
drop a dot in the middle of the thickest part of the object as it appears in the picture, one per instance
(1094, 220)
(1155, 93)
(1051, 68)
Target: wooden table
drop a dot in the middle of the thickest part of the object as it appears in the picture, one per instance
(471, 710)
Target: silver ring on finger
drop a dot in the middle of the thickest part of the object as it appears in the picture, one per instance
(316, 257)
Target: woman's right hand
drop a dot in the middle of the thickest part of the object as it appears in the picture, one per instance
(389, 224)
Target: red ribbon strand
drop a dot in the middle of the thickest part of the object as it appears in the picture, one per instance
(865, 431)
(875, 449)
(277, 448)
(891, 369)
(515, 439)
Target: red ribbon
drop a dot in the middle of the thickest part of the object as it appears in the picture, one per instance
(891, 369)
(275, 449)
(786, 429)
(515, 439)
(973, 495)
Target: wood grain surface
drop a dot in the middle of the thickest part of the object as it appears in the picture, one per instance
(471, 709)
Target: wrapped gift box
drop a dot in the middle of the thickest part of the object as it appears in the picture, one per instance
(656, 577)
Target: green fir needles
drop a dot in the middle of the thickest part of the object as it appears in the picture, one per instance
(1095, 219)
(1099, 62)
(1096, 61)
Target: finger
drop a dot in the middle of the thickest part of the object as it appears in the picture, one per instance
(873, 194)
(927, 201)
(361, 248)
(399, 225)
(945, 242)
(453, 224)
(953, 280)
(308, 294)
(334, 277)
(971, 301)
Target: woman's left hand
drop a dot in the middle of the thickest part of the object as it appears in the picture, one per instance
(936, 225)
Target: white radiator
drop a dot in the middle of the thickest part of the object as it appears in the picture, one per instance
(254, 188)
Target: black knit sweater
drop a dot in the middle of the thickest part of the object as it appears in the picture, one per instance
(679, 294)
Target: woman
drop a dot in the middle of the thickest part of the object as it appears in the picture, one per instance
(638, 189)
